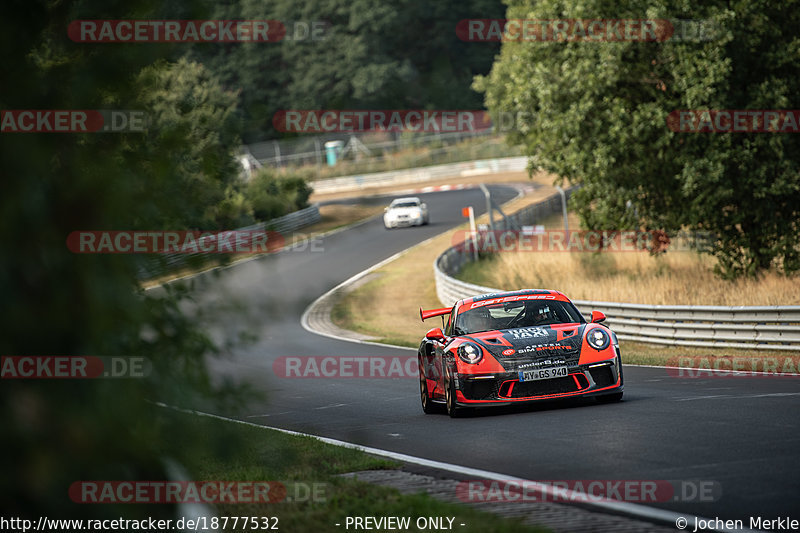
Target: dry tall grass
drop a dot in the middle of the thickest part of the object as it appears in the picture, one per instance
(678, 278)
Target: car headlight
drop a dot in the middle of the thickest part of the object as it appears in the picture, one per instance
(470, 353)
(598, 338)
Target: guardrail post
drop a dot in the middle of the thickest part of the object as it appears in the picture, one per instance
(277, 152)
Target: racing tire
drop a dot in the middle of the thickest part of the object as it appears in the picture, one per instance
(450, 396)
(428, 405)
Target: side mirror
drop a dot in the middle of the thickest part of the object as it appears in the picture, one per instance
(385, 209)
(435, 335)
(598, 316)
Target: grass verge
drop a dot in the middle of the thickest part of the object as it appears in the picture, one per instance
(237, 452)
(637, 353)
(673, 278)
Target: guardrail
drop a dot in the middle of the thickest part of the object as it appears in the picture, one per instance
(420, 174)
(291, 222)
(161, 264)
(762, 327)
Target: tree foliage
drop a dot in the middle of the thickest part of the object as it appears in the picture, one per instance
(598, 115)
(272, 196)
(373, 55)
(57, 432)
(194, 131)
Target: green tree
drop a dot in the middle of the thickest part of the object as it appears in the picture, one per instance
(193, 130)
(373, 56)
(597, 116)
(272, 196)
(56, 432)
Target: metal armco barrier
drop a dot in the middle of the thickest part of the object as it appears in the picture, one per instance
(159, 265)
(291, 222)
(761, 327)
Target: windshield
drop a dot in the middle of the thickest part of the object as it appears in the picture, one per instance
(516, 314)
(404, 204)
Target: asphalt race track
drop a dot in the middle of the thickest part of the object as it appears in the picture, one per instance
(742, 433)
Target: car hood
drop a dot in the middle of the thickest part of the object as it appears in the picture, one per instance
(529, 347)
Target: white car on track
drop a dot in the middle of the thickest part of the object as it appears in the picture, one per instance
(410, 211)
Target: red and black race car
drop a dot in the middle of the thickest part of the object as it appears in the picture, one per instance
(510, 347)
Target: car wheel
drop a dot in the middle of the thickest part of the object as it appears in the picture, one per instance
(450, 396)
(428, 406)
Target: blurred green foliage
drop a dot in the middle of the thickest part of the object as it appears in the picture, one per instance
(56, 432)
(179, 174)
(371, 55)
(597, 115)
(193, 132)
(272, 195)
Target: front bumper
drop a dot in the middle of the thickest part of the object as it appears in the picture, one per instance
(504, 388)
(403, 222)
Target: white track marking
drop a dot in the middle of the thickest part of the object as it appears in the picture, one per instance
(331, 406)
(614, 506)
(739, 396)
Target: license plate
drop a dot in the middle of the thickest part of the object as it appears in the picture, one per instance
(543, 373)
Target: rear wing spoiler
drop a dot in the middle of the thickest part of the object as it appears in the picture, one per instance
(424, 315)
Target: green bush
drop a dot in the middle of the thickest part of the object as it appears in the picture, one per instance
(271, 195)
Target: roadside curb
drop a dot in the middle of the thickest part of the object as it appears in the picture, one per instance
(317, 317)
(560, 517)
